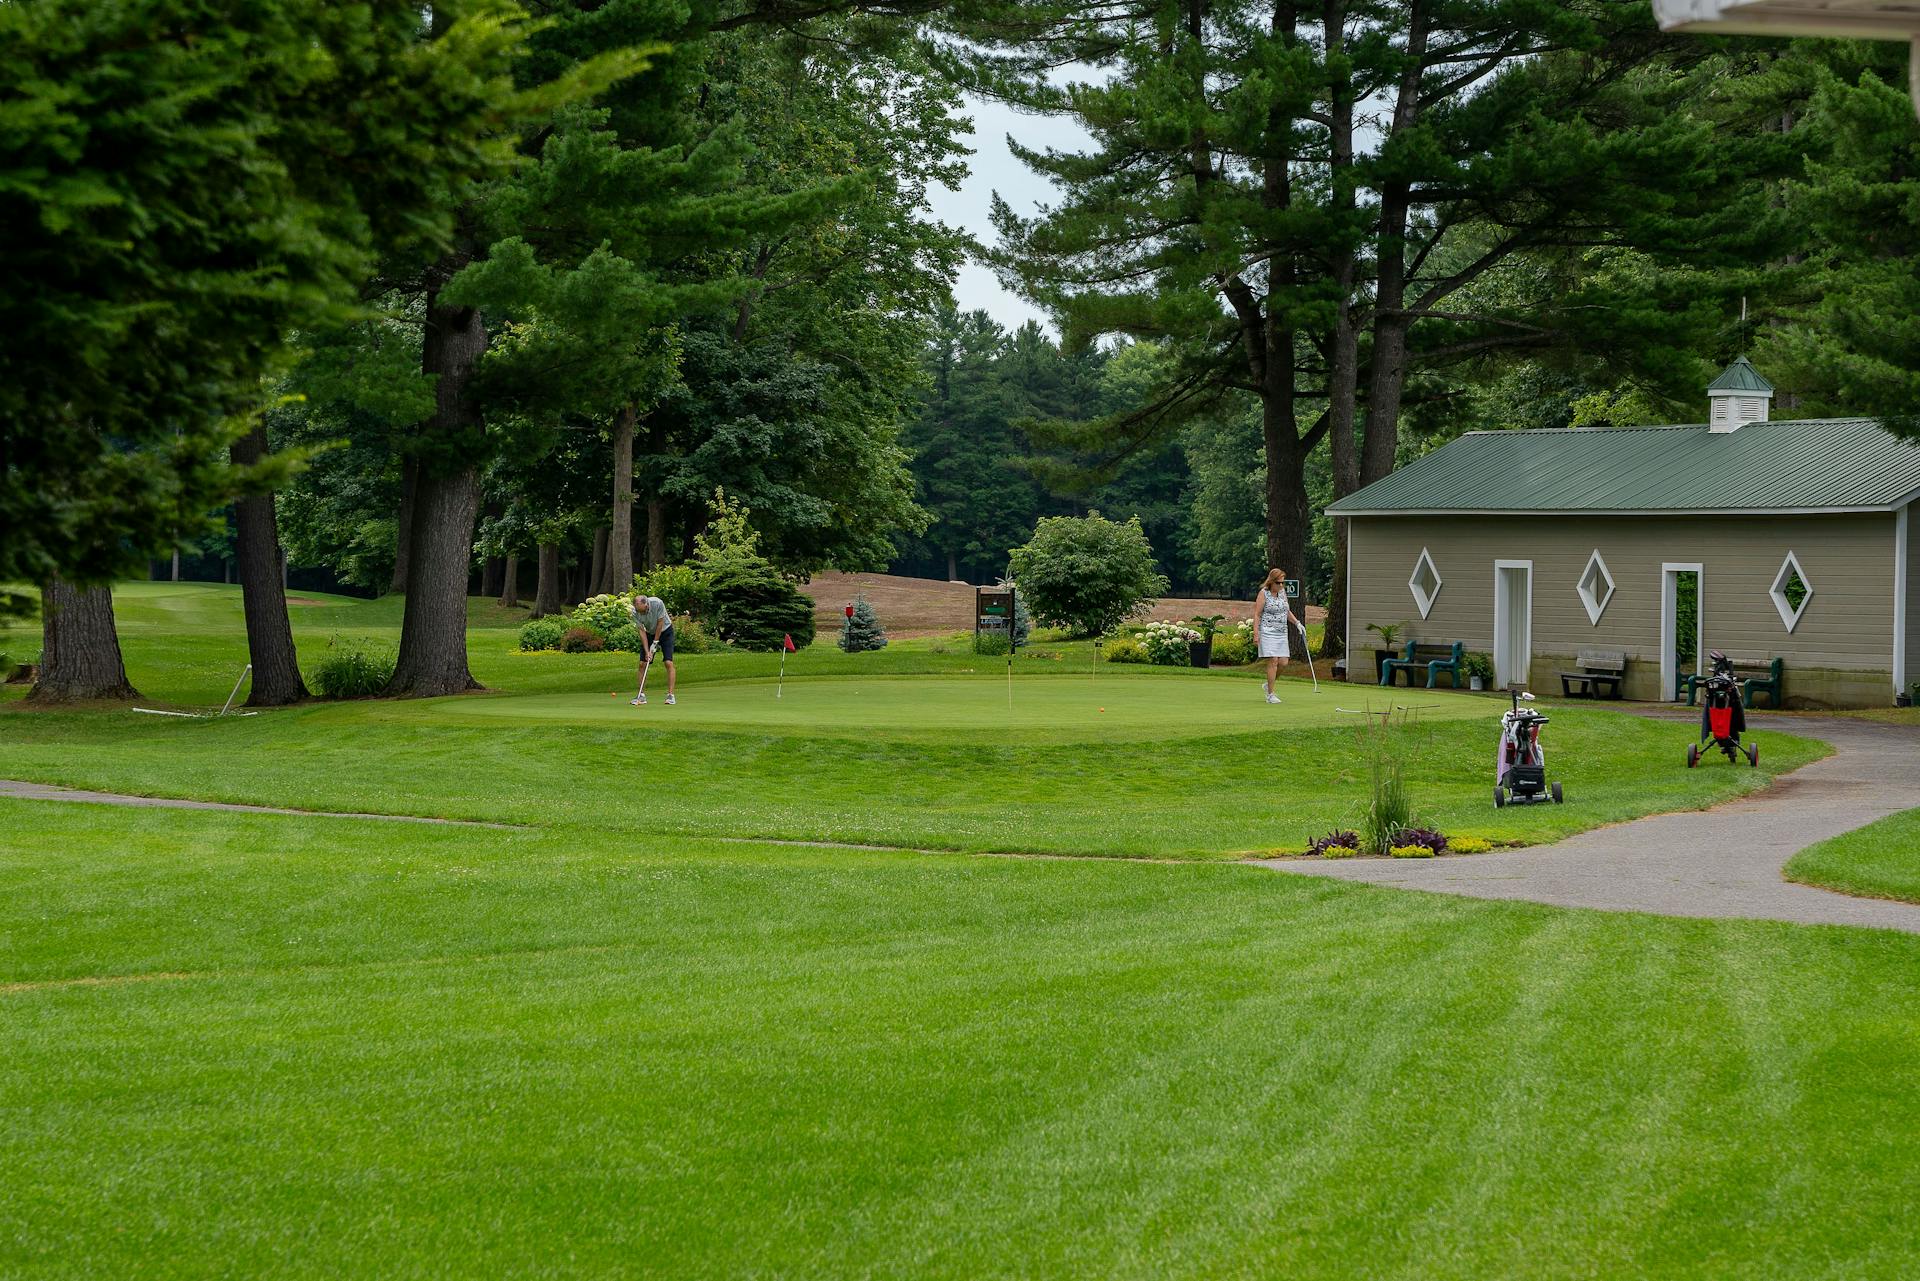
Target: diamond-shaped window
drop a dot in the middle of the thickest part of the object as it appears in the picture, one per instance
(1595, 587)
(1425, 583)
(1791, 591)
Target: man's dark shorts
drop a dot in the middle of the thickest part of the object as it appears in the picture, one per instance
(663, 648)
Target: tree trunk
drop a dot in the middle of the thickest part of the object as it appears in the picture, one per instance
(546, 595)
(80, 655)
(490, 573)
(656, 533)
(1343, 355)
(620, 540)
(1289, 518)
(403, 527)
(510, 581)
(953, 567)
(176, 565)
(276, 665)
(446, 501)
(597, 575)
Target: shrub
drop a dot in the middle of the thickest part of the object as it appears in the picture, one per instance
(1167, 644)
(754, 608)
(1087, 572)
(1411, 851)
(862, 631)
(1469, 845)
(602, 615)
(582, 640)
(1337, 840)
(684, 589)
(991, 644)
(542, 633)
(1123, 649)
(1477, 664)
(1433, 841)
(624, 637)
(689, 637)
(353, 668)
(1231, 649)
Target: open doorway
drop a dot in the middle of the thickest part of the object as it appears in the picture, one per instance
(1512, 621)
(1681, 625)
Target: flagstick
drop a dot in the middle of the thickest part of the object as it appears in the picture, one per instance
(783, 672)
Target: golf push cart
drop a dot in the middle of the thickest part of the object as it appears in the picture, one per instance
(1520, 766)
(1722, 718)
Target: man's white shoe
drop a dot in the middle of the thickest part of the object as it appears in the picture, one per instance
(639, 701)
(669, 700)
(1272, 697)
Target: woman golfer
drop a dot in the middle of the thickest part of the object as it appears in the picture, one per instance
(1270, 607)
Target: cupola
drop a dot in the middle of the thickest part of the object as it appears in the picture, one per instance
(1738, 397)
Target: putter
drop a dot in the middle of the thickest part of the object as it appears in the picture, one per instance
(1307, 646)
(644, 669)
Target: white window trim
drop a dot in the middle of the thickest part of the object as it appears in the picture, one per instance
(1900, 602)
(1789, 616)
(1595, 608)
(1422, 599)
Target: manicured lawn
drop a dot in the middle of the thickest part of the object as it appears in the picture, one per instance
(1880, 860)
(1180, 764)
(364, 1049)
(630, 1036)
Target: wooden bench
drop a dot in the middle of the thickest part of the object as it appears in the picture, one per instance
(1600, 669)
(1756, 676)
(1433, 659)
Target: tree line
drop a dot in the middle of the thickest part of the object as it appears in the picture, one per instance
(406, 291)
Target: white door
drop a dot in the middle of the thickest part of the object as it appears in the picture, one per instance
(1672, 607)
(1512, 621)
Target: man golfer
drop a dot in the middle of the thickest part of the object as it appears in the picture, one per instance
(655, 625)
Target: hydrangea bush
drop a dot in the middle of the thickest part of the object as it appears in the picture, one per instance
(1169, 644)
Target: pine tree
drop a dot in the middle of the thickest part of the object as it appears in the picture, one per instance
(861, 630)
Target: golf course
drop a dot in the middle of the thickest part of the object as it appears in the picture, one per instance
(748, 986)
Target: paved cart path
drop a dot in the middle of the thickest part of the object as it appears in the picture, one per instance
(47, 792)
(1725, 861)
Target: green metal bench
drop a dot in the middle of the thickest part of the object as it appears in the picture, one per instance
(1433, 658)
(1756, 675)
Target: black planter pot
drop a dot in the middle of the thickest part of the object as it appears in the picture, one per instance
(1380, 659)
(1200, 652)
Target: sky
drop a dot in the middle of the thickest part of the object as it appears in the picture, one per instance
(993, 168)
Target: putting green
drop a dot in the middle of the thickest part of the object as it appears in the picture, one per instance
(1057, 707)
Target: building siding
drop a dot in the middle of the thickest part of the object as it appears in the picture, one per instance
(1913, 595)
(1846, 631)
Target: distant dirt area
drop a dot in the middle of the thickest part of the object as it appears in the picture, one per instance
(931, 607)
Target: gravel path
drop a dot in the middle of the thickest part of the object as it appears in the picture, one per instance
(1725, 861)
(47, 792)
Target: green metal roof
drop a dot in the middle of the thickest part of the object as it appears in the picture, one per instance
(1740, 376)
(1829, 464)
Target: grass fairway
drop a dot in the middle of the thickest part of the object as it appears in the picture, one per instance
(631, 1036)
(1023, 709)
(255, 1046)
(1880, 860)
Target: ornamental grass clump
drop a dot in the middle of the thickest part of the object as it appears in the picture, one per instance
(1389, 807)
(353, 668)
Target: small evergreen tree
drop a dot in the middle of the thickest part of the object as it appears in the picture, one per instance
(862, 631)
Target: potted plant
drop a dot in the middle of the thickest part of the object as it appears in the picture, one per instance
(1389, 634)
(1206, 625)
(1479, 670)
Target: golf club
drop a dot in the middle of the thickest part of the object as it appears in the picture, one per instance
(641, 693)
(1306, 645)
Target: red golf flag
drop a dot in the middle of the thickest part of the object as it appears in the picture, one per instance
(789, 641)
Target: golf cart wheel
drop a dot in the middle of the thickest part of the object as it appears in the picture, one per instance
(1499, 797)
(1753, 755)
(1693, 755)
(1557, 798)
